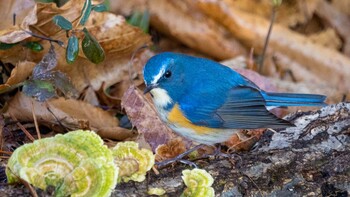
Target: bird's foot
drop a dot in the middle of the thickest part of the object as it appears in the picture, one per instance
(179, 158)
(216, 154)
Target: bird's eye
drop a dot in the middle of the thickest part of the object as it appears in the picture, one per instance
(167, 74)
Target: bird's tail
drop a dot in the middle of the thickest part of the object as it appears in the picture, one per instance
(291, 99)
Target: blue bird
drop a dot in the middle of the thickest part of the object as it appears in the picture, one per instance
(207, 102)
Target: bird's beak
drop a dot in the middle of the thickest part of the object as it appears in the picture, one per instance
(149, 88)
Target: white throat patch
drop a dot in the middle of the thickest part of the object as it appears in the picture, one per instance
(160, 97)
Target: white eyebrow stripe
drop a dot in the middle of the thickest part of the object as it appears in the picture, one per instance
(159, 75)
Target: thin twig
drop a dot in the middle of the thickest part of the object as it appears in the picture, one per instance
(35, 121)
(25, 183)
(22, 128)
(272, 20)
(58, 120)
(5, 152)
(44, 38)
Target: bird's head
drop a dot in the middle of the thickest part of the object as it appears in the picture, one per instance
(165, 78)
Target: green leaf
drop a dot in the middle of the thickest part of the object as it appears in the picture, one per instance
(34, 46)
(91, 48)
(99, 8)
(5, 46)
(140, 20)
(276, 2)
(85, 12)
(72, 49)
(62, 22)
(144, 23)
(135, 18)
(41, 90)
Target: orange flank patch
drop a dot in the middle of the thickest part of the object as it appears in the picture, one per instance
(176, 117)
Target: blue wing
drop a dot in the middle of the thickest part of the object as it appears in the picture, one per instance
(243, 107)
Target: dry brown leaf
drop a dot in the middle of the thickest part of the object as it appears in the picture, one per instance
(19, 74)
(328, 64)
(173, 148)
(144, 117)
(338, 20)
(342, 5)
(298, 72)
(290, 13)
(198, 32)
(46, 11)
(25, 15)
(70, 113)
(327, 38)
(244, 140)
(115, 35)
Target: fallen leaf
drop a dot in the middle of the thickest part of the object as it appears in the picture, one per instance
(144, 117)
(327, 38)
(115, 35)
(69, 113)
(47, 11)
(338, 20)
(194, 30)
(330, 65)
(171, 149)
(290, 13)
(20, 73)
(342, 5)
(244, 140)
(24, 14)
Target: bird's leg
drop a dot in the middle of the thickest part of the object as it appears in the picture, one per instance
(217, 153)
(179, 158)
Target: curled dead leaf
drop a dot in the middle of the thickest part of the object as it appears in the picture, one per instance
(69, 113)
(144, 117)
(47, 11)
(244, 140)
(16, 16)
(171, 149)
(18, 74)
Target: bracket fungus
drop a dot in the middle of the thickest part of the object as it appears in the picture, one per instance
(132, 161)
(198, 183)
(76, 164)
